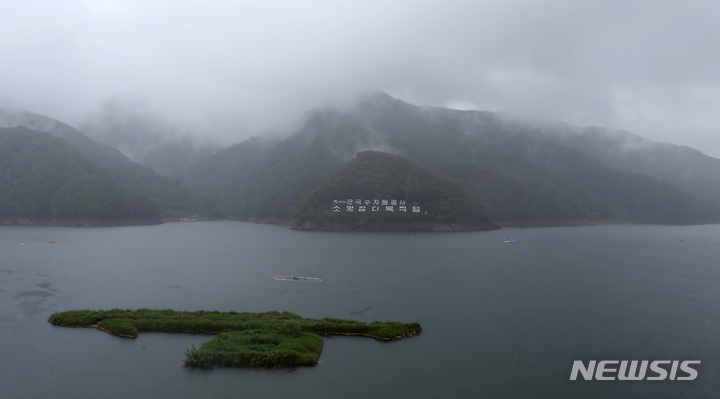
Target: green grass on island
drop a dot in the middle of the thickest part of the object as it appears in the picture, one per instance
(269, 339)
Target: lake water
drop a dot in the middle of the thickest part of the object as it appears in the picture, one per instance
(500, 320)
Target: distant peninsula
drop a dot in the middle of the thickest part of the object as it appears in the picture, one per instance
(270, 339)
(377, 191)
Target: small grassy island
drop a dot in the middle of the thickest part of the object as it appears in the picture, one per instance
(269, 339)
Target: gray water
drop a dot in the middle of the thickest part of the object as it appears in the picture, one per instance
(500, 320)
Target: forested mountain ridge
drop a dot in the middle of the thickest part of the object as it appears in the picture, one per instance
(168, 194)
(45, 180)
(390, 193)
(262, 182)
(522, 171)
(684, 167)
(528, 175)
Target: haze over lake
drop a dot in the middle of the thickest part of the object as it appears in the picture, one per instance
(500, 320)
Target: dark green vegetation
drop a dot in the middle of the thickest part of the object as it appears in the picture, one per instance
(255, 348)
(46, 180)
(528, 172)
(261, 182)
(372, 174)
(31, 177)
(270, 339)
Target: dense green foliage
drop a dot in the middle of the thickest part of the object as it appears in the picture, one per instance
(377, 175)
(203, 322)
(257, 348)
(268, 339)
(170, 198)
(47, 180)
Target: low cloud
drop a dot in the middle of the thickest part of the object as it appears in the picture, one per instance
(230, 70)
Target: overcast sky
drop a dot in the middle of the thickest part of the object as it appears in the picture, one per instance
(236, 68)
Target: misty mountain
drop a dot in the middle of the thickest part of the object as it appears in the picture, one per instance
(683, 167)
(263, 181)
(168, 194)
(529, 174)
(145, 139)
(46, 180)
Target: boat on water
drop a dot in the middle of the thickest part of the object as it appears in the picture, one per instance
(509, 240)
(298, 278)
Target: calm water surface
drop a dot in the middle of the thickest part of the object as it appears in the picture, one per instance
(500, 320)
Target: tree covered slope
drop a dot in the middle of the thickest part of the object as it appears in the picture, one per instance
(45, 180)
(172, 199)
(380, 191)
